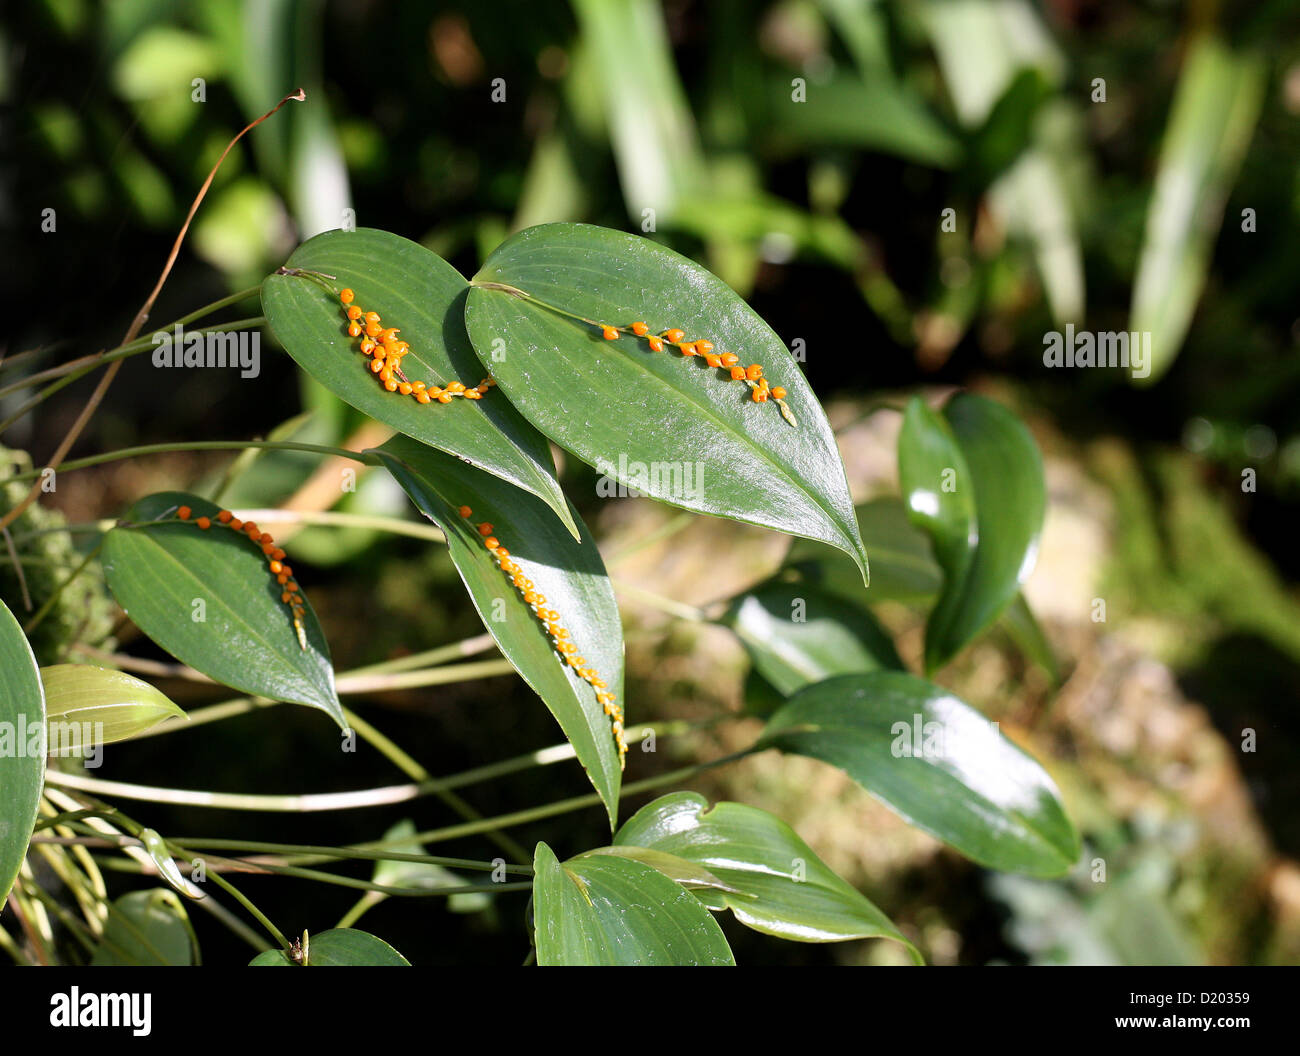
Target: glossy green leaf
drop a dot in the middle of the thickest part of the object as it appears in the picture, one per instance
(687, 873)
(22, 747)
(779, 885)
(146, 929)
(972, 479)
(568, 573)
(246, 640)
(661, 423)
(797, 633)
(338, 948)
(1215, 109)
(424, 296)
(97, 705)
(604, 909)
(937, 762)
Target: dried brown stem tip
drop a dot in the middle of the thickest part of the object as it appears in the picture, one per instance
(138, 322)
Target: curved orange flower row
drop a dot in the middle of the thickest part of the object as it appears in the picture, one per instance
(290, 592)
(550, 619)
(752, 375)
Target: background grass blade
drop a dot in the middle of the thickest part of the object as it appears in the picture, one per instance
(1215, 110)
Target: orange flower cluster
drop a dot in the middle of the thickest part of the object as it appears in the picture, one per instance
(386, 351)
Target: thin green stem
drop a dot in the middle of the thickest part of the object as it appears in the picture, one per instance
(363, 905)
(347, 853)
(479, 643)
(523, 295)
(6, 362)
(369, 885)
(261, 917)
(11, 947)
(565, 806)
(69, 816)
(86, 364)
(236, 926)
(414, 770)
(433, 676)
(300, 804)
(204, 445)
(42, 396)
(243, 705)
(215, 306)
(337, 519)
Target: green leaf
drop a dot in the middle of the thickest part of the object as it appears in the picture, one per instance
(157, 571)
(424, 296)
(902, 563)
(22, 760)
(761, 698)
(660, 423)
(146, 929)
(797, 633)
(423, 876)
(1214, 113)
(96, 705)
(903, 569)
(935, 761)
(1008, 129)
(604, 909)
(1023, 627)
(778, 884)
(687, 873)
(156, 847)
(973, 481)
(338, 948)
(568, 573)
(874, 112)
